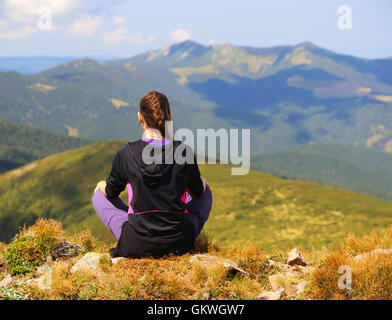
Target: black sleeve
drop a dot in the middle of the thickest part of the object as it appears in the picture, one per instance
(194, 182)
(117, 181)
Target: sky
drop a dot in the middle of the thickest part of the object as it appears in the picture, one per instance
(123, 28)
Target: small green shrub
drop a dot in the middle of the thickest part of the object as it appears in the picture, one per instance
(24, 254)
(30, 248)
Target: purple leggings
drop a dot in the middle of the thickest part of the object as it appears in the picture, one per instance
(114, 212)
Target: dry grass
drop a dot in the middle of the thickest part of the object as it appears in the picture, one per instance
(172, 277)
(44, 229)
(175, 277)
(86, 239)
(204, 243)
(371, 274)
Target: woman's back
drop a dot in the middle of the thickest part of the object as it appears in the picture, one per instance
(157, 196)
(168, 201)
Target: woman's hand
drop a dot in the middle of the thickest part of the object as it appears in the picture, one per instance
(205, 183)
(101, 185)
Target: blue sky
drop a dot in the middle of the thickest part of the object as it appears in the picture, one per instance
(124, 28)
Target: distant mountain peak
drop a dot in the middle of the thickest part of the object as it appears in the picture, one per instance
(306, 44)
(309, 46)
(186, 46)
(185, 49)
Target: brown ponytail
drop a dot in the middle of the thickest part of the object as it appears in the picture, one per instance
(155, 109)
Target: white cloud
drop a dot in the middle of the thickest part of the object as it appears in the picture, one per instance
(180, 35)
(118, 19)
(85, 26)
(19, 33)
(3, 23)
(117, 36)
(122, 35)
(77, 17)
(150, 39)
(29, 10)
(141, 40)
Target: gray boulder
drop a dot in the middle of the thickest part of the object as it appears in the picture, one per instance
(90, 262)
(296, 258)
(65, 249)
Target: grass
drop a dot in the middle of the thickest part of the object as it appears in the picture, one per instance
(255, 209)
(172, 277)
(276, 213)
(175, 277)
(371, 275)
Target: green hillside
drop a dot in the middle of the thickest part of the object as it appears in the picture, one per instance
(350, 167)
(253, 209)
(20, 144)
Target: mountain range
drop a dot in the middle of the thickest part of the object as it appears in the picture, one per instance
(307, 107)
(289, 96)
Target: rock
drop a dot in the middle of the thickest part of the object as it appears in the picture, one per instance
(296, 258)
(275, 283)
(211, 260)
(90, 262)
(116, 260)
(66, 249)
(372, 253)
(270, 295)
(300, 287)
(6, 281)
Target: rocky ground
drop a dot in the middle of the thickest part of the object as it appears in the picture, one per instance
(41, 263)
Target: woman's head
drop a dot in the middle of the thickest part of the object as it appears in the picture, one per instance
(154, 110)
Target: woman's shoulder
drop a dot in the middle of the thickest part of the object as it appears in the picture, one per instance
(128, 148)
(131, 145)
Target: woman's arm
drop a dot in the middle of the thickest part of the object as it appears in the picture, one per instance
(116, 182)
(196, 184)
(205, 183)
(101, 185)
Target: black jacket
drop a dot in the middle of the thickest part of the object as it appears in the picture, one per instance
(159, 222)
